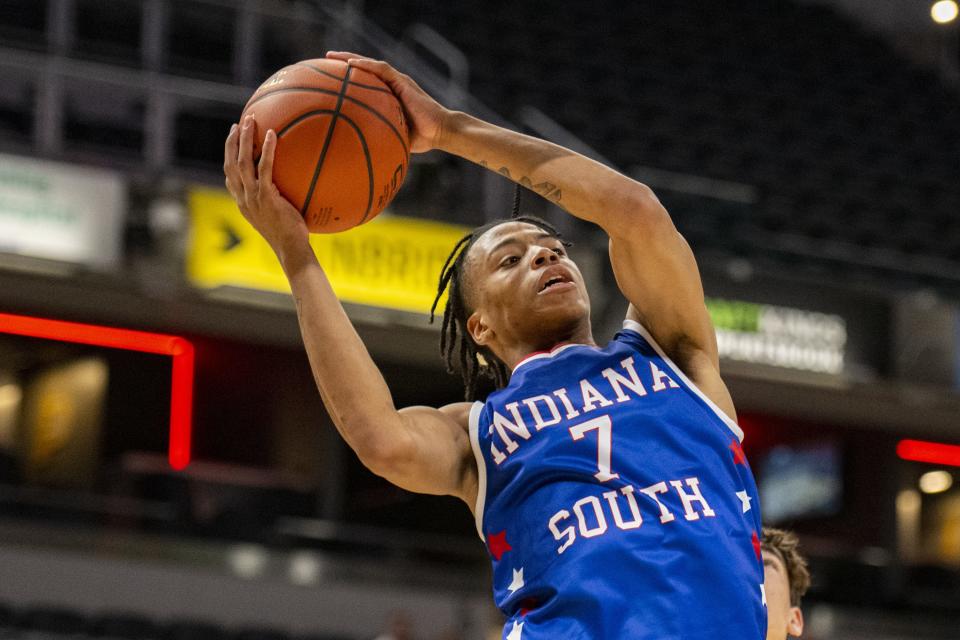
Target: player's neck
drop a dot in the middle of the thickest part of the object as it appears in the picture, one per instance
(518, 352)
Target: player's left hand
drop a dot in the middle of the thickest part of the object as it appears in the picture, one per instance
(252, 186)
(425, 116)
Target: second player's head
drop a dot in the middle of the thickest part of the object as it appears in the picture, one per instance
(786, 579)
(511, 286)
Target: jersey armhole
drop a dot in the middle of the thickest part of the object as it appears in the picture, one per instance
(474, 423)
(636, 327)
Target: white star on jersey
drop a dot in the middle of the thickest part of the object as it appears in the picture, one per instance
(517, 580)
(516, 631)
(745, 499)
(763, 595)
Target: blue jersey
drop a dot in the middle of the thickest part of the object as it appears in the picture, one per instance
(615, 500)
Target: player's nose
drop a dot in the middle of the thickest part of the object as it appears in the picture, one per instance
(544, 256)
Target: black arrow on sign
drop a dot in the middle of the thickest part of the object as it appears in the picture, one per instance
(233, 240)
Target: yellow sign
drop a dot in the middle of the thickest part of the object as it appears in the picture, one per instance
(391, 262)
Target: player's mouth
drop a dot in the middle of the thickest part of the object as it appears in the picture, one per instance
(555, 280)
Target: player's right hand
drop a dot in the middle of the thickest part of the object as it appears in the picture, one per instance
(425, 116)
(252, 187)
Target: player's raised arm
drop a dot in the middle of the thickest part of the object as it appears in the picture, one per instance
(653, 264)
(420, 449)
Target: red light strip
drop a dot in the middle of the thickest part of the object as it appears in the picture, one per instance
(180, 349)
(930, 452)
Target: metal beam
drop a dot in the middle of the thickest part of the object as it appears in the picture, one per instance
(154, 23)
(247, 44)
(60, 26)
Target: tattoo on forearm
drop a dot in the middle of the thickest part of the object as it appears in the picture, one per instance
(548, 190)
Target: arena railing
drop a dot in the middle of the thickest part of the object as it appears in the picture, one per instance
(543, 125)
(58, 75)
(166, 94)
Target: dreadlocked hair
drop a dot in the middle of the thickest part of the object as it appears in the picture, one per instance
(460, 353)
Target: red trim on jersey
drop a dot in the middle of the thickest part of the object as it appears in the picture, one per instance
(548, 353)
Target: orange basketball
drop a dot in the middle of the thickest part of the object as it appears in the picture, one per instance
(342, 141)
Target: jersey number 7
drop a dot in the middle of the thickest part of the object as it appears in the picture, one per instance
(604, 428)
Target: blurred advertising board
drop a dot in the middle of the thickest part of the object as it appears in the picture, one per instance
(779, 336)
(776, 322)
(391, 262)
(60, 212)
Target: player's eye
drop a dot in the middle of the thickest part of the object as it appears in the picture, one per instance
(559, 251)
(509, 261)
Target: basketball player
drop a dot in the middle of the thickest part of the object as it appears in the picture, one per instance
(786, 579)
(607, 481)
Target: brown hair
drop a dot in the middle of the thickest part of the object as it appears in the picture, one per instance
(784, 544)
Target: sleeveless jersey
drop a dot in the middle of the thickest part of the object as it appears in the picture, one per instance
(615, 500)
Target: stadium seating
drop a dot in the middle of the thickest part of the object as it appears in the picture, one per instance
(846, 142)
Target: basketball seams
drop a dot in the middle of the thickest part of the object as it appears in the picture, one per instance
(335, 77)
(329, 92)
(318, 70)
(369, 160)
(267, 94)
(382, 118)
(303, 116)
(326, 142)
(287, 114)
(363, 145)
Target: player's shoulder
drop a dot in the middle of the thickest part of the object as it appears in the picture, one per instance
(634, 335)
(459, 412)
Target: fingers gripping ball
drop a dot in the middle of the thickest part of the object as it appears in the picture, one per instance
(342, 142)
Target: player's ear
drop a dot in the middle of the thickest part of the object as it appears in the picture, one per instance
(795, 622)
(478, 329)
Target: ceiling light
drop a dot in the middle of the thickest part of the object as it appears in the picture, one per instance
(936, 481)
(944, 11)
